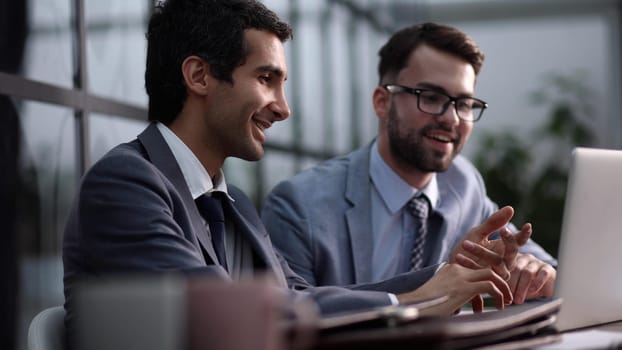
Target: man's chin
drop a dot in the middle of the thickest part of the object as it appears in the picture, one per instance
(438, 164)
(254, 155)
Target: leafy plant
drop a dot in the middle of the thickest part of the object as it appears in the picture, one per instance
(530, 173)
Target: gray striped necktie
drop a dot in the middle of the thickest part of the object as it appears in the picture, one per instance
(419, 208)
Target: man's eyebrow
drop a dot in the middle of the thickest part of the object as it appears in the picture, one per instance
(273, 70)
(437, 88)
(430, 86)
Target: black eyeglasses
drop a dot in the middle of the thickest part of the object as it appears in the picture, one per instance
(432, 102)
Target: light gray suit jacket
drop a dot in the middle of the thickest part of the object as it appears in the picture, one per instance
(320, 221)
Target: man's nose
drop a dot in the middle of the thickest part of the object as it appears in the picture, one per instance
(450, 116)
(280, 108)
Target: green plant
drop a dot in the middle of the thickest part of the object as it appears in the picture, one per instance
(531, 172)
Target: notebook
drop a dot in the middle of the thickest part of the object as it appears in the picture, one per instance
(589, 279)
(464, 331)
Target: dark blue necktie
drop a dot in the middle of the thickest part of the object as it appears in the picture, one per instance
(210, 208)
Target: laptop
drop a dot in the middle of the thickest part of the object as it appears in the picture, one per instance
(589, 279)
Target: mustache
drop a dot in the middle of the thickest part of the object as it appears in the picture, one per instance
(453, 133)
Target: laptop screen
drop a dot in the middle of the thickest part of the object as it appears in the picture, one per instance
(589, 276)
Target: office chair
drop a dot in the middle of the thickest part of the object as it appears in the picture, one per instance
(47, 330)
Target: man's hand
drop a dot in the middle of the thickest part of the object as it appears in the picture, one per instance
(461, 285)
(531, 278)
(527, 276)
(476, 251)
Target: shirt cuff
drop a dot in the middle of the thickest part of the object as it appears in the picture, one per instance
(393, 299)
(440, 266)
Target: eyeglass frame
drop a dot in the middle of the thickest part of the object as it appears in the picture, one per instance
(452, 100)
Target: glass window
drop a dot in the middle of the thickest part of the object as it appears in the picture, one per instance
(242, 174)
(48, 163)
(106, 131)
(276, 166)
(39, 40)
(512, 72)
(47, 182)
(116, 49)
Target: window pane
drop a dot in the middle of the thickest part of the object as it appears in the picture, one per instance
(36, 41)
(242, 174)
(116, 49)
(276, 166)
(105, 132)
(47, 182)
(48, 165)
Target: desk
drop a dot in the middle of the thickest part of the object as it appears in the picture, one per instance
(611, 327)
(606, 336)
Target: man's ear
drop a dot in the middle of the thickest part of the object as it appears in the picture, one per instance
(381, 99)
(196, 74)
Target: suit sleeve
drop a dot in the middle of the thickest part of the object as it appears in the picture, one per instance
(329, 299)
(128, 219)
(286, 222)
(284, 216)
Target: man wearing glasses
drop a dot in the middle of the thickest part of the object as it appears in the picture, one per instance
(393, 212)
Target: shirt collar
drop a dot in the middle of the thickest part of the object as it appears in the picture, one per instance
(198, 180)
(394, 191)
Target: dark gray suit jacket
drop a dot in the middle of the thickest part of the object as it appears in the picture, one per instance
(134, 213)
(320, 221)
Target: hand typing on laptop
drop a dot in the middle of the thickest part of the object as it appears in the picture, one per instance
(531, 278)
(480, 265)
(527, 276)
(461, 285)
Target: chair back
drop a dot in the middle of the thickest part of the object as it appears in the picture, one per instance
(47, 330)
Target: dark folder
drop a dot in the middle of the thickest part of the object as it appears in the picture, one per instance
(392, 330)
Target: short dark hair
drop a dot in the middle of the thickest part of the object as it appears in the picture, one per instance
(395, 53)
(211, 29)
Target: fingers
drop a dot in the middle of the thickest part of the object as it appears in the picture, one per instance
(510, 246)
(526, 276)
(480, 234)
(482, 253)
(523, 235)
(477, 303)
(462, 285)
(495, 222)
(501, 256)
(490, 288)
(531, 278)
(544, 283)
(486, 281)
(467, 262)
(485, 257)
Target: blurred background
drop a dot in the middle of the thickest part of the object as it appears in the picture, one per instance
(72, 87)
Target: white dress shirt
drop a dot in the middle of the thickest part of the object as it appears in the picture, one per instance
(239, 253)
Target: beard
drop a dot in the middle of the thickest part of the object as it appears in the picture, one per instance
(410, 149)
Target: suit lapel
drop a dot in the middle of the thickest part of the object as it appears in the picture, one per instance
(358, 217)
(254, 234)
(161, 156)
